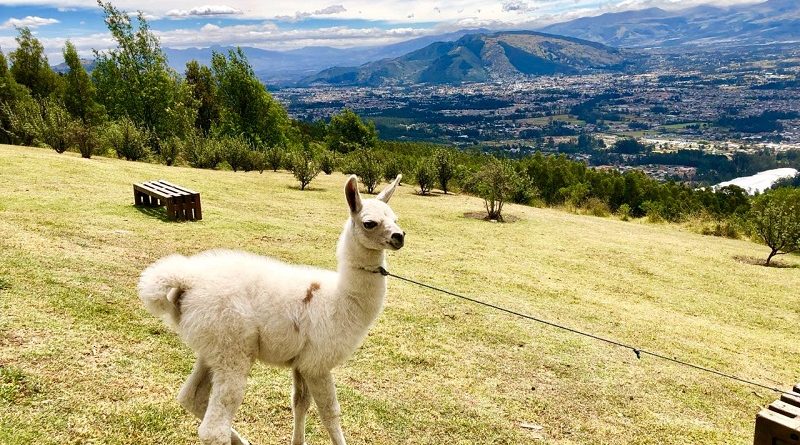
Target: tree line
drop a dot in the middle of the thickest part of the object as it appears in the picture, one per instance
(134, 105)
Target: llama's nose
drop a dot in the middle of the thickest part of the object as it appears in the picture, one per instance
(398, 239)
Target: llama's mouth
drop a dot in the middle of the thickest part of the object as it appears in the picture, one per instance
(395, 244)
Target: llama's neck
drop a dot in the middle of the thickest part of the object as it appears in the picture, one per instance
(358, 283)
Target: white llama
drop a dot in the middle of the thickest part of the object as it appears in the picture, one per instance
(233, 308)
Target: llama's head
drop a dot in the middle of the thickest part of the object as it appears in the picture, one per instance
(374, 223)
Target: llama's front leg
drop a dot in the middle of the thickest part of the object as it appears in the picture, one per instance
(194, 394)
(324, 393)
(301, 400)
(227, 393)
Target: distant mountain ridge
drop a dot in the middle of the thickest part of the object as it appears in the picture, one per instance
(289, 66)
(750, 24)
(481, 57)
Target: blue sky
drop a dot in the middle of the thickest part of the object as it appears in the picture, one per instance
(285, 24)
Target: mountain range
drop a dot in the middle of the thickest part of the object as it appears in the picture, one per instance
(477, 54)
(282, 67)
(481, 57)
(773, 21)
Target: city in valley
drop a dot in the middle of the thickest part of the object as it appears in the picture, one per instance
(718, 102)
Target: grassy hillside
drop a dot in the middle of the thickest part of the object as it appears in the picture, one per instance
(81, 361)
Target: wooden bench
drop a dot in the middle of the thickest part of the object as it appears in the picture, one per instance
(779, 423)
(181, 203)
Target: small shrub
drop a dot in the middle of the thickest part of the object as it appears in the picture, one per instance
(445, 168)
(624, 212)
(85, 138)
(495, 182)
(25, 121)
(326, 162)
(597, 207)
(305, 166)
(391, 169)
(365, 164)
(426, 177)
(275, 158)
(258, 160)
(57, 127)
(170, 150)
(127, 140)
(202, 152)
(236, 152)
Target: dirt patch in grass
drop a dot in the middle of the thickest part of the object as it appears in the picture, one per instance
(485, 217)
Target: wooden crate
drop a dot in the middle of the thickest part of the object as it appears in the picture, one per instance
(779, 423)
(181, 203)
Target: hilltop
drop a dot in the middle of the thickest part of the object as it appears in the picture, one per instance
(83, 362)
(481, 57)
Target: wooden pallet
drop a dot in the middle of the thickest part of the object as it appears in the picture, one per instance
(779, 423)
(181, 203)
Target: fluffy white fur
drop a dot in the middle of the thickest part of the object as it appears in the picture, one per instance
(233, 308)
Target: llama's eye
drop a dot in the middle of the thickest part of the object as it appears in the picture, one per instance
(370, 224)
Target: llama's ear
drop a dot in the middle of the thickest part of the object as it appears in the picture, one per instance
(352, 195)
(386, 194)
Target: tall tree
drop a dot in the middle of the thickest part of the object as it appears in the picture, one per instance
(775, 218)
(246, 107)
(347, 132)
(201, 81)
(30, 68)
(10, 93)
(79, 91)
(134, 79)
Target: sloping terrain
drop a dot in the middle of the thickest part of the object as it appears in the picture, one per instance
(82, 362)
(481, 57)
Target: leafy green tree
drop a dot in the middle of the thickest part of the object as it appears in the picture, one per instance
(25, 121)
(85, 137)
(365, 163)
(347, 132)
(236, 152)
(445, 167)
(79, 91)
(391, 168)
(426, 176)
(201, 151)
(201, 80)
(30, 67)
(275, 157)
(56, 132)
(775, 219)
(128, 140)
(246, 108)
(326, 162)
(10, 93)
(304, 165)
(134, 79)
(496, 182)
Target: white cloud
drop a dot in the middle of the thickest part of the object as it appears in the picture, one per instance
(30, 21)
(328, 10)
(205, 10)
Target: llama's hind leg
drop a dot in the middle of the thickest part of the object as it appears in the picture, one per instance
(324, 393)
(194, 395)
(301, 401)
(227, 392)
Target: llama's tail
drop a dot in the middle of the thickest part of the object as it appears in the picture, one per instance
(162, 285)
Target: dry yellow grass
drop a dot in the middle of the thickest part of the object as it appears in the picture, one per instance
(83, 363)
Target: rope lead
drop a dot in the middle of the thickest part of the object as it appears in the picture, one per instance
(635, 350)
